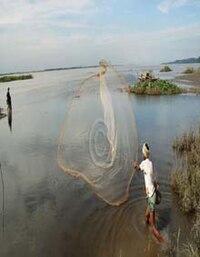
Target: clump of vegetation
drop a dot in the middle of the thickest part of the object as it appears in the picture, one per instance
(155, 87)
(15, 77)
(190, 70)
(166, 68)
(185, 180)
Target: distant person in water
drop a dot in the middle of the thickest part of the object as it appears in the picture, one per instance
(9, 102)
(146, 167)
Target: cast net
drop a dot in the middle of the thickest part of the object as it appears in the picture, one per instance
(98, 141)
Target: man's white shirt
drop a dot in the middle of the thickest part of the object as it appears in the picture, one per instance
(147, 167)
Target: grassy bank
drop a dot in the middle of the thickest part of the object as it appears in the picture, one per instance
(185, 180)
(155, 87)
(15, 77)
(166, 68)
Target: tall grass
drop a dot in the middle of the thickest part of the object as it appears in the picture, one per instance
(185, 180)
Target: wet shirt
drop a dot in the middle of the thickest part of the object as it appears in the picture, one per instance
(147, 167)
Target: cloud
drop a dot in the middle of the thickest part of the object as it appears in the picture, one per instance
(56, 33)
(20, 12)
(31, 51)
(166, 5)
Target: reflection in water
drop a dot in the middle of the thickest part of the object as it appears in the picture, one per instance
(10, 118)
(3, 199)
(9, 101)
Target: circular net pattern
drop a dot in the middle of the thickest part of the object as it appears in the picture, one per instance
(98, 141)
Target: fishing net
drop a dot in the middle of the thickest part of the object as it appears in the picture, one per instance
(98, 141)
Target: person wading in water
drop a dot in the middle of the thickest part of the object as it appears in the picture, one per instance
(146, 167)
(9, 102)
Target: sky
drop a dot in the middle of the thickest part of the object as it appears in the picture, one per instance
(43, 34)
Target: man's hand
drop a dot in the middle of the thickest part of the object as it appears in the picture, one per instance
(136, 165)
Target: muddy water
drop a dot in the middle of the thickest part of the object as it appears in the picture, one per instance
(48, 212)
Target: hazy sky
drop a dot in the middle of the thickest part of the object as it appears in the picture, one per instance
(61, 33)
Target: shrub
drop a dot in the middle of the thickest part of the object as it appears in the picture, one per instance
(166, 69)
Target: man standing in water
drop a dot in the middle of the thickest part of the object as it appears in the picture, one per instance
(146, 167)
(9, 102)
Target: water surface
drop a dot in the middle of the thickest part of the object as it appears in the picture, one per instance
(50, 213)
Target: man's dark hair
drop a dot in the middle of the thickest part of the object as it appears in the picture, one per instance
(147, 146)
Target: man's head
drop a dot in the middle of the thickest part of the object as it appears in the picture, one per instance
(145, 151)
(8, 88)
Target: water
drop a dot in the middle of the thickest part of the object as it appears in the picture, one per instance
(50, 213)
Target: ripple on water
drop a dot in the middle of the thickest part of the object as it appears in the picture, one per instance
(122, 231)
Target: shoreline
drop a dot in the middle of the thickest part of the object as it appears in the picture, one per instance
(193, 79)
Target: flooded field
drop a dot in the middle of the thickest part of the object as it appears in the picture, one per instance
(46, 212)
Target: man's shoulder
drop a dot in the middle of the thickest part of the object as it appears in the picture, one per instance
(146, 161)
(146, 164)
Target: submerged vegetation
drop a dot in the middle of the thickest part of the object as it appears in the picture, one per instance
(15, 77)
(155, 87)
(166, 68)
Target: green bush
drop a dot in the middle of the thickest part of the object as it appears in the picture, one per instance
(166, 69)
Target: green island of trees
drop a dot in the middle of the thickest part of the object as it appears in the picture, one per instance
(15, 77)
(155, 87)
